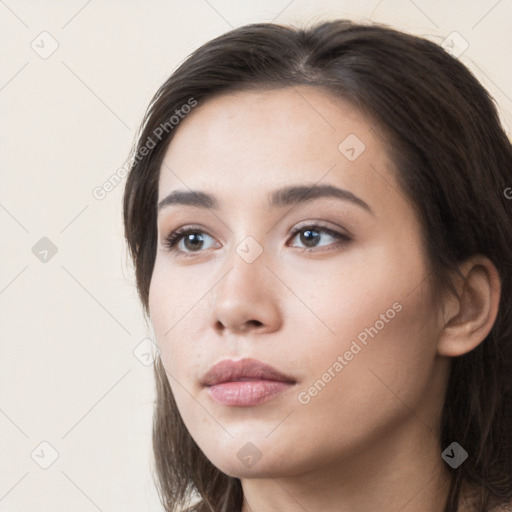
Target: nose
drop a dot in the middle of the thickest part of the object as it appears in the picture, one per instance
(246, 298)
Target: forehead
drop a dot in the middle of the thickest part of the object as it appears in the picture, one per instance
(252, 141)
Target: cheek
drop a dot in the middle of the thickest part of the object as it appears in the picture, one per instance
(177, 306)
(165, 316)
(378, 332)
(341, 300)
(377, 367)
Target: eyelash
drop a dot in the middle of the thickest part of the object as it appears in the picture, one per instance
(175, 237)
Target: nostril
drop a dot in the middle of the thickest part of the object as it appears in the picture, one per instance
(245, 326)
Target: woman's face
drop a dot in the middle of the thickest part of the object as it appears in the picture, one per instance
(342, 307)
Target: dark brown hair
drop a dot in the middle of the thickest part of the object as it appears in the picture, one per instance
(454, 163)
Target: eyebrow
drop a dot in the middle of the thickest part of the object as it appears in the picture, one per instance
(288, 196)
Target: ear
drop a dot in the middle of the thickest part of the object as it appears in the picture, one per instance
(469, 318)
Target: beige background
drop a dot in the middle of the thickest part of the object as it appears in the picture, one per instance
(69, 376)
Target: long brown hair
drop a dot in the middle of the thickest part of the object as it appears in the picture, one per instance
(454, 163)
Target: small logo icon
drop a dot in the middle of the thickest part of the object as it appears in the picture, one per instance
(455, 44)
(351, 147)
(44, 455)
(249, 249)
(44, 250)
(454, 455)
(44, 45)
(146, 352)
(249, 455)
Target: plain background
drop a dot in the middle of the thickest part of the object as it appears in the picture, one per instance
(73, 374)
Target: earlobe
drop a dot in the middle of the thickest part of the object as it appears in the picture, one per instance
(469, 318)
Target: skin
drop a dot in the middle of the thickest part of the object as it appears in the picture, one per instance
(369, 439)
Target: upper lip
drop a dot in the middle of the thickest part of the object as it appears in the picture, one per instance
(229, 371)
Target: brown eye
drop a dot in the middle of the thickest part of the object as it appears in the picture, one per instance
(191, 240)
(311, 236)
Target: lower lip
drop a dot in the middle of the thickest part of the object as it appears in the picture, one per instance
(247, 393)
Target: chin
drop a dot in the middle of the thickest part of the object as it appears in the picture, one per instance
(259, 469)
(243, 458)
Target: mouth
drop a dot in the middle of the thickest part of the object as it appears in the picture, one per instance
(244, 383)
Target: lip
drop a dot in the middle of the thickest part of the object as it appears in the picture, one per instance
(245, 382)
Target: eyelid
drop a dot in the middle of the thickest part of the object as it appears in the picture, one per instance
(319, 224)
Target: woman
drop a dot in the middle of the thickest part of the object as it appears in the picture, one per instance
(321, 233)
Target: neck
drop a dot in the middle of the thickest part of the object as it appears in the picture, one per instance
(403, 471)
